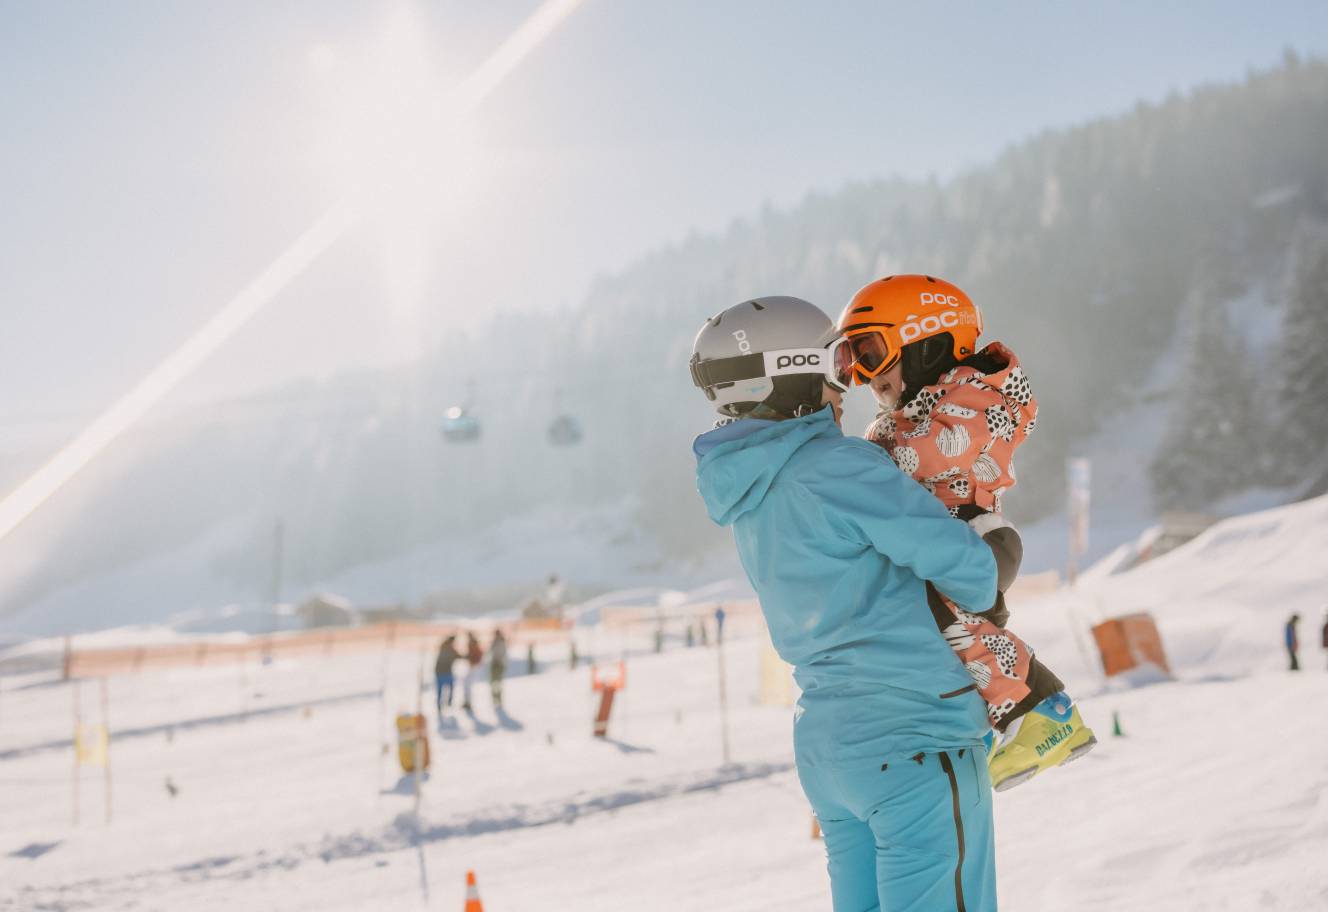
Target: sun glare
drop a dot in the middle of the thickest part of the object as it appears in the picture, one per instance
(398, 139)
(408, 158)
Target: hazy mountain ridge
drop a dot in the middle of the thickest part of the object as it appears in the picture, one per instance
(1084, 247)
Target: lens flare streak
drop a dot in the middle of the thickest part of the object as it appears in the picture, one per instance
(20, 503)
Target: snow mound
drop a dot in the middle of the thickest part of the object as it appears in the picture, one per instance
(1220, 600)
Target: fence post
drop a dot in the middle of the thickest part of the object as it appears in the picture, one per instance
(78, 725)
(106, 727)
(723, 701)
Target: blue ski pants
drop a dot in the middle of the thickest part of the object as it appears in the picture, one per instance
(443, 686)
(915, 835)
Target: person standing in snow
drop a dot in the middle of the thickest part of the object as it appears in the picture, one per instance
(951, 417)
(1293, 641)
(474, 656)
(444, 681)
(838, 543)
(1324, 637)
(497, 666)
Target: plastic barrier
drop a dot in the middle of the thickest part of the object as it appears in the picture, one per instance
(327, 641)
(1128, 642)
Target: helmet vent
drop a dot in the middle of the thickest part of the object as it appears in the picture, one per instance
(758, 305)
(930, 279)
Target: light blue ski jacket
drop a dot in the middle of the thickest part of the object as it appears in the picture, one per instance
(837, 543)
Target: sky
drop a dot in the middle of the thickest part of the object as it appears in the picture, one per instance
(155, 156)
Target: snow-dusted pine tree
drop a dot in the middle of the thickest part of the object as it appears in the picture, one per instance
(1302, 439)
(1204, 453)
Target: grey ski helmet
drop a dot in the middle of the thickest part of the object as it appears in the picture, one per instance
(765, 358)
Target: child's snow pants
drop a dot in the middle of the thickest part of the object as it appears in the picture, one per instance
(914, 835)
(1006, 673)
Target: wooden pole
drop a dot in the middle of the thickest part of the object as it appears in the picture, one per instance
(419, 748)
(278, 548)
(244, 687)
(106, 730)
(78, 724)
(382, 722)
(723, 702)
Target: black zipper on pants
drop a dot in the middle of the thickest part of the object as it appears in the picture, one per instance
(959, 829)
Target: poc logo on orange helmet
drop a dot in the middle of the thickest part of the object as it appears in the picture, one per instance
(930, 325)
(928, 297)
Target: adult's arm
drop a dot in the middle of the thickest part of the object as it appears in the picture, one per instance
(867, 497)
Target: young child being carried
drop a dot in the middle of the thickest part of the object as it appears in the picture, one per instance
(951, 417)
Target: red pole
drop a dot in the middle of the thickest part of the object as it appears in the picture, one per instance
(605, 707)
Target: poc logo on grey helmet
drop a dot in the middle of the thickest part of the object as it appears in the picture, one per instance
(743, 345)
(784, 361)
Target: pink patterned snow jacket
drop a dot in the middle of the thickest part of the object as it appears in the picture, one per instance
(958, 436)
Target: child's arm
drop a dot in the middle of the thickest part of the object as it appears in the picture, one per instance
(1003, 539)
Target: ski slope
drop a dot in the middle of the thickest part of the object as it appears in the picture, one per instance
(1215, 798)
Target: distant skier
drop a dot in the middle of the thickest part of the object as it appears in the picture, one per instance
(1324, 638)
(497, 666)
(951, 417)
(838, 542)
(474, 656)
(1293, 641)
(444, 681)
(720, 615)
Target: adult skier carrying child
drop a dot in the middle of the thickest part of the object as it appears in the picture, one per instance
(839, 544)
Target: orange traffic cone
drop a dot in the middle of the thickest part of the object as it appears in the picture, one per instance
(473, 903)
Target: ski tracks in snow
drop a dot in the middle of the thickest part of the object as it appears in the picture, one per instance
(404, 833)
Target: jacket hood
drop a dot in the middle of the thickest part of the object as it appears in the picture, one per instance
(737, 463)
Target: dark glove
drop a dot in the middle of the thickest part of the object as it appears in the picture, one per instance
(998, 614)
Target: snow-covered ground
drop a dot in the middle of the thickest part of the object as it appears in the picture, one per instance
(1215, 798)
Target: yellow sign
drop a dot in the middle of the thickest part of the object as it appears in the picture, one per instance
(91, 744)
(777, 687)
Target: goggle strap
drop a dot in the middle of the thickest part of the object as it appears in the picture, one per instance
(781, 362)
(727, 370)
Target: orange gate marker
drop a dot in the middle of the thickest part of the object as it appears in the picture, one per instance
(606, 686)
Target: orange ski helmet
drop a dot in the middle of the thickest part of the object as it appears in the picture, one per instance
(927, 318)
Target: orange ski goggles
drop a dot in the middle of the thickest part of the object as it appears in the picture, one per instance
(860, 357)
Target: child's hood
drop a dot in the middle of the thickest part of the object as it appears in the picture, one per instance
(995, 364)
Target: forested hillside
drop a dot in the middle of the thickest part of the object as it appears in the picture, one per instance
(1189, 231)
